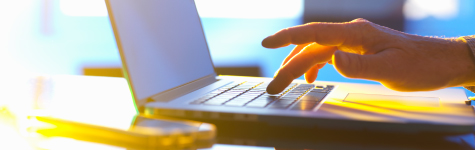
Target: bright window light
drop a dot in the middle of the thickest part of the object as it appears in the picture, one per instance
(206, 8)
(86, 8)
(250, 8)
(440, 9)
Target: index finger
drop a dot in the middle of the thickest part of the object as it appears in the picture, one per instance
(323, 33)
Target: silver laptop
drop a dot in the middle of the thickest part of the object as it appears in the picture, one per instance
(168, 66)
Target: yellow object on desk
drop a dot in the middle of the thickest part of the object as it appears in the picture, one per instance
(143, 132)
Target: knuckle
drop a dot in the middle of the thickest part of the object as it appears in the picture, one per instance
(365, 25)
(361, 23)
(363, 30)
(359, 20)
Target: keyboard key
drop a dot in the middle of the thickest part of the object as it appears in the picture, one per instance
(252, 83)
(269, 96)
(262, 97)
(228, 87)
(248, 85)
(211, 94)
(219, 99)
(284, 102)
(243, 87)
(277, 102)
(290, 95)
(215, 92)
(247, 97)
(261, 105)
(251, 94)
(235, 104)
(324, 90)
(196, 102)
(255, 91)
(312, 96)
(262, 85)
(297, 91)
(293, 94)
(213, 103)
(240, 99)
(303, 108)
(232, 90)
(287, 99)
(278, 106)
(306, 85)
(290, 86)
(318, 90)
(225, 96)
(263, 100)
(300, 89)
(304, 105)
(260, 102)
(237, 90)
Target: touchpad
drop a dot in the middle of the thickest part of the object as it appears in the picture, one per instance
(392, 100)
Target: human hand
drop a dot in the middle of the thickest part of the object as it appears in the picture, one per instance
(364, 50)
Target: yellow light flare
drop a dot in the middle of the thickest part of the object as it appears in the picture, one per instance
(391, 112)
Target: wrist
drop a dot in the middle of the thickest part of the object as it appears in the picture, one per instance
(465, 62)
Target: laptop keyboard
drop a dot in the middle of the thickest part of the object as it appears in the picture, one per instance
(253, 94)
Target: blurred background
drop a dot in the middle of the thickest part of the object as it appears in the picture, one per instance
(75, 37)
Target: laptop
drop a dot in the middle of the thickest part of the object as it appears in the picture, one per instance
(167, 64)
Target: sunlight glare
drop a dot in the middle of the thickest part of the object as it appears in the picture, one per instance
(250, 8)
(439, 9)
(91, 8)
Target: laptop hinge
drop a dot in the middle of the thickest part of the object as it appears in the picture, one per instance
(174, 93)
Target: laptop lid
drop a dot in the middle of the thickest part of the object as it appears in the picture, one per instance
(162, 47)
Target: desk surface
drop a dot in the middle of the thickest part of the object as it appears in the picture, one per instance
(72, 94)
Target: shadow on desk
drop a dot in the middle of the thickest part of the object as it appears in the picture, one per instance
(304, 138)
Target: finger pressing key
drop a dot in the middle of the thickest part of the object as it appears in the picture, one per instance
(299, 64)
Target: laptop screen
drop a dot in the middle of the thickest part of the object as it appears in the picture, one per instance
(162, 44)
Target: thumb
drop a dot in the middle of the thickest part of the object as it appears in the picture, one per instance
(373, 66)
